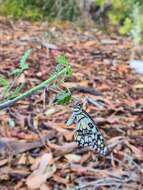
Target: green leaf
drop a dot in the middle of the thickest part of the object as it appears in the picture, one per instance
(15, 72)
(101, 3)
(22, 63)
(63, 97)
(127, 26)
(3, 82)
(61, 59)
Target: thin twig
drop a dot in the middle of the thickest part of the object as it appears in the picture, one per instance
(105, 182)
(84, 89)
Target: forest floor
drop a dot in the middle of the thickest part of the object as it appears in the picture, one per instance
(37, 149)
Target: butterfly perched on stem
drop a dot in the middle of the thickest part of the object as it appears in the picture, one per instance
(86, 134)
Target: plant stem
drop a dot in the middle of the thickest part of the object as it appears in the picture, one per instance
(32, 90)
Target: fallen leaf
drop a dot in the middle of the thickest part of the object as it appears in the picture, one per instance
(45, 187)
(45, 169)
(68, 135)
(138, 86)
(122, 68)
(137, 152)
(59, 179)
(73, 157)
(85, 158)
(3, 162)
(89, 44)
(50, 111)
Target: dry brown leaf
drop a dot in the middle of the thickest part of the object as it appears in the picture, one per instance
(103, 87)
(122, 68)
(3, 162)
(50, 111)
(45, 187)
(116, 140)
(73, 157)
(138, 86)
(85, 157)
(89, 44)
(22, 159)
(133, 133)
(45, 169)
(137, 152)
(64, 149)
(22, 135)
(30, 159)
(60, 179)
(68, 135)
(99, 62)
(21, 79)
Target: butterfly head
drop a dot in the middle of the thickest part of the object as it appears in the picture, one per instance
(77, 106)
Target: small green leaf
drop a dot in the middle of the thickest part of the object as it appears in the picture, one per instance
(61, 59)
(63, 97)
(15, 72)
(3, 82)
(101, 3)
(22, 63)
(127, 26)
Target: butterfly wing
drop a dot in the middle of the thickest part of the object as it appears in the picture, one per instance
(88, 135)
(71, 120)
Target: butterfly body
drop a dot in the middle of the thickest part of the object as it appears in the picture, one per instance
(86, 133)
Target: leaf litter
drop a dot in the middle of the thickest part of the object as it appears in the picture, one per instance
(39, 151)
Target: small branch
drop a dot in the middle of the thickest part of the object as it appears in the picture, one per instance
(17, 147)
(86, 90)
(107, 182)
(32, 90)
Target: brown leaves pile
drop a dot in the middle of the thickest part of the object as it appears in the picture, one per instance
(38, 151)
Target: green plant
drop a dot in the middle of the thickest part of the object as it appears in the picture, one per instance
(62, 71)
(126, 27)
(39, 9)
(23, 65)
(21, 9)
(123, 14)
(11, 8)
(10, 91)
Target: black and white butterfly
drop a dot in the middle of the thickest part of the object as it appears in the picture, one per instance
(86, 133)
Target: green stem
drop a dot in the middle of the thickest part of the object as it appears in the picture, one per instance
(32, 90)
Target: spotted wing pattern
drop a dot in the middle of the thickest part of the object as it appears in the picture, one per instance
(87, 133)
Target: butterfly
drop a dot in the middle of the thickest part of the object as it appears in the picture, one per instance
(86, 133)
